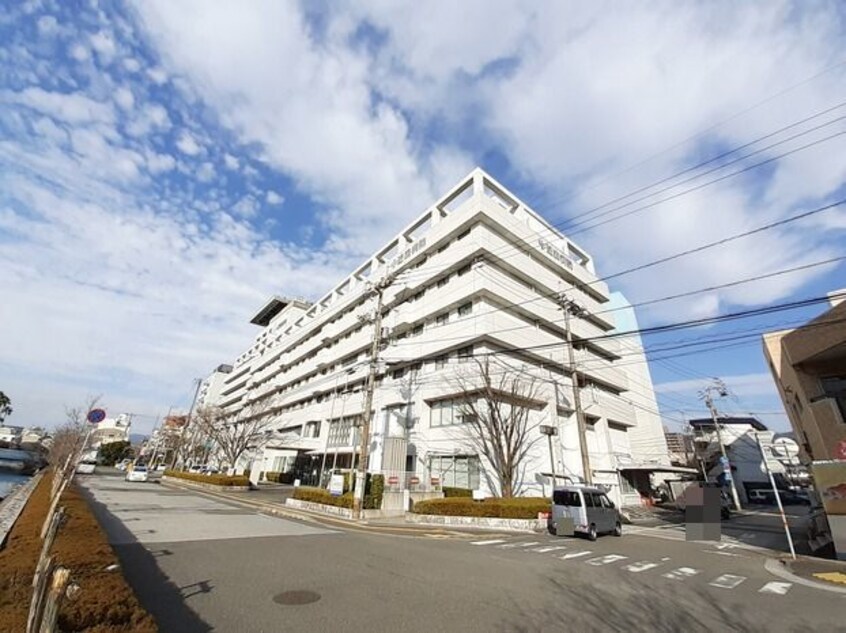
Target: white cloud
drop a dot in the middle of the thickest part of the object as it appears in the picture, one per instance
(47, 25)
(157, 75)
(187, 144)
(124, 98)
(67, 107)
(80, 52)
(231, 162)
(104, 43)
(274, 198)
(131, 64)
(158, 163)
(344, 150)
(206, 172)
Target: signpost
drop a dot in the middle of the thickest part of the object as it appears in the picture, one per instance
(95, 416)
(336, 485)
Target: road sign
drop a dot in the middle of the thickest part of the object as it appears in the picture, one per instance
(336, 485)
(393, 480)
(95, 416)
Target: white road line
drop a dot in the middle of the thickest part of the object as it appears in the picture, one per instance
(491, 542)
(779, 588)
(606, 560)
(509, 545)
(529, 544)
(575, 555)
(681, 573)
(553, 548)
(638, 567)
(727, 581)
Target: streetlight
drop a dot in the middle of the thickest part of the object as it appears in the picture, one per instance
(549, 431)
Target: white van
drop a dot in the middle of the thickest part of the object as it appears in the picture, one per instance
(583, 510)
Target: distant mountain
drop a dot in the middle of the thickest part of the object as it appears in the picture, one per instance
(137, 438)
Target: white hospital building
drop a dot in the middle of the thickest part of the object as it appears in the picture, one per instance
(477, 276)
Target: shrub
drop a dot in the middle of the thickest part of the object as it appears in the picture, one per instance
(247, 473)
(457, 492)
(494, 507)
(273, 476)
(319, 495)
(216, 480)
(374, 491)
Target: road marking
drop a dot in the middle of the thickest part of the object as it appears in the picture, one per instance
(779, 588)
(575, 555)
(681, 573)
(491, 542)
(544, 550)
(529, 544)
(638, 567)
(605, 560)
(727, 581)
(832, 576)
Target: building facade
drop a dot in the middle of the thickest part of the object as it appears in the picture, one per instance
(740, 437)
(809, 369)
(475, 280)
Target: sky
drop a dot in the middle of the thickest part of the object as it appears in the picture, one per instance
(166, 166)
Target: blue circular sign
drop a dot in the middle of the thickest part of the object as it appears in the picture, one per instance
(95, 416)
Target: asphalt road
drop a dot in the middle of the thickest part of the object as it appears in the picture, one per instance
(198, 564)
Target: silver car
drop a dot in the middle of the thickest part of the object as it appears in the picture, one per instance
(583, 510)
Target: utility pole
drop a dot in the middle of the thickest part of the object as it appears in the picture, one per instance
(707, 396)
(777, 496)
(571, 308)
(187, 426)
(364, 457)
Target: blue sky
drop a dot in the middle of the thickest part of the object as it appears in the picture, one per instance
(166, 166)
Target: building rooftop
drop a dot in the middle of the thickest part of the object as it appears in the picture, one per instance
(274, 306)
(704, 423)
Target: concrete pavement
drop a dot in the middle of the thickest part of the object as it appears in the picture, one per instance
(245, 576)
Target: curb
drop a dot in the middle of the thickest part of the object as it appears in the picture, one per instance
(777, 567)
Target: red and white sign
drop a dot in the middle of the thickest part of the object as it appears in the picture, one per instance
(393, 480)
(435, 481)
(414, 480)
(840, 450)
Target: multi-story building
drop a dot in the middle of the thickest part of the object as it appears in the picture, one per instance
(478, 278)
(680, 447)
(809, 368)
(740, 436)
(211, 387)
(111, 430)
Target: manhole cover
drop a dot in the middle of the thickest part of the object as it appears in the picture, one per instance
(296, 597)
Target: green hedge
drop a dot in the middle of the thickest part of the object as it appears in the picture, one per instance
(516, 508)
(457, 492)
(372, 500)
(273, 476)
(215, 480)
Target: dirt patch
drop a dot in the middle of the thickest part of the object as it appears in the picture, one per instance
(105, 604)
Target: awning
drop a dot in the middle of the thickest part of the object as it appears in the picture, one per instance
(659, 468)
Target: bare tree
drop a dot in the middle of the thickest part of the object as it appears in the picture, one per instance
(496, 407)
(68, 438)
(233, 435)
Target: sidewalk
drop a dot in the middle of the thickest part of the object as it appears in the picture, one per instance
(818, 573)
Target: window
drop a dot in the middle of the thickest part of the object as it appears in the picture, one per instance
(447, 413)
(460, 471)
(566, 498)
(441, 361)
(442, 319)
(835, 387)
(465, 309)
(417, 330)
(397, 374)
(590, 500)
(443, 281)
(465, 354)
(340, 432)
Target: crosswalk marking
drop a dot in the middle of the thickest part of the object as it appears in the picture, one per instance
(779, 588)
(575, 555)
(529, 544)
(727, 581)
(490, 542)
(681, 573)
(638, 567)
(553, 548)
(606, 560)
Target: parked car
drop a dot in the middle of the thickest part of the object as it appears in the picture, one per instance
(137, 472)
(86, 467)
(583, 510)
(788, 497)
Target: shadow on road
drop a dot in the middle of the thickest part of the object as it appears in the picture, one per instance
(163, 599)
(630, 608)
